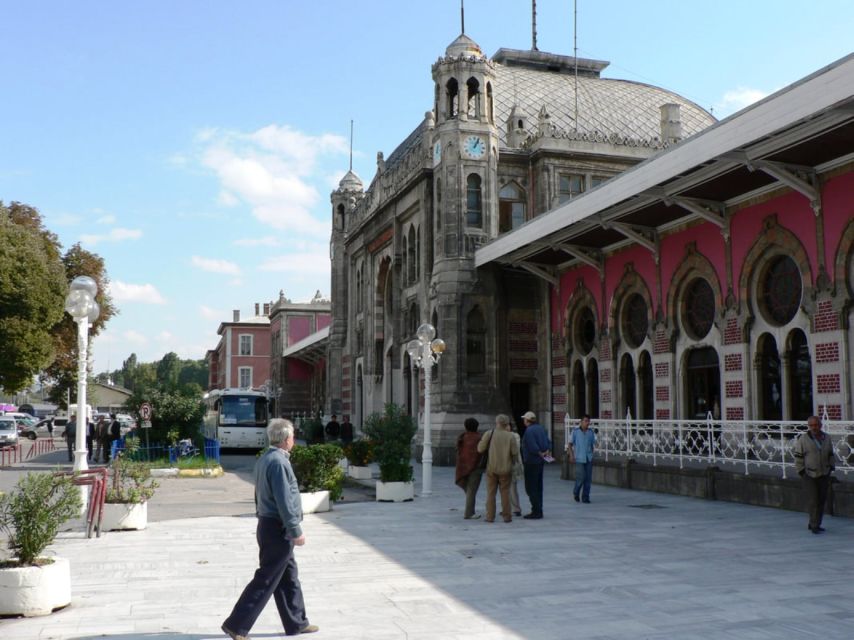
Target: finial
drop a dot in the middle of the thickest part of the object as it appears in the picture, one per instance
(534, 25)
(462, 17)
(351, 144)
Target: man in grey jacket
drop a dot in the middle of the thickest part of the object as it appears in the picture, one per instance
(814, 462)
(279, 511)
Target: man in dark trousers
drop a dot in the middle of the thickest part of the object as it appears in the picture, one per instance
(333, 428)
(70, 436)
(535, 448)
(814, 462)
(279, 511)
(346, 430)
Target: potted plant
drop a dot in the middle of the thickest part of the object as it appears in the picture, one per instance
(129, 490)
(391, 433)
(321, 480)
(31, 584)
(359, 453)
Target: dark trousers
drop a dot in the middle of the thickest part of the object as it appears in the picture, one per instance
(69, 442)
(276, 576)
(815, 490)
(534, 486)
(472, 485)
(583, 479)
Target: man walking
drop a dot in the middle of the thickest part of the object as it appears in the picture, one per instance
(70, 436)
(333, 429)
(814, 461)
(279, 511)
(535, 448)
(579, 449)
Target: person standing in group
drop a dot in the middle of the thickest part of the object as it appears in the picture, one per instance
(814, 462)
(90, 439)
(100, 429)
(106, 440)
(518, 472)
(579, 450)
(70, 436)
(279, 512)
(503, 451)
(346, 430)
(468, 471)
(115, 429)
(333, 429)
(535, 448)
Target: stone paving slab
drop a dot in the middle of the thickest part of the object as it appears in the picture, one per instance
(691, 569)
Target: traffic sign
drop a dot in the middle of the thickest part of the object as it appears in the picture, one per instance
(145, 412)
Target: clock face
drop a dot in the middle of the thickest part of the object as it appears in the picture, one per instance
(437, 153)
(474, 146)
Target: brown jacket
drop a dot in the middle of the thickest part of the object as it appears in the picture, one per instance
(812, 460)
(503, 451)
(467, 456)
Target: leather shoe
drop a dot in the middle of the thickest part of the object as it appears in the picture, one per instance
(533, 516)
(577, 499)
(475, 516)
(517, 513)
(233, 634)
(586, 501)
(310, 628)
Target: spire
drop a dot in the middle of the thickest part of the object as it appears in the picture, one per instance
(534, 25)
(351, 144)
(462, 17)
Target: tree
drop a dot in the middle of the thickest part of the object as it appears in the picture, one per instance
(168, 369)
(32, 295)
(174, 416)
(77, 261)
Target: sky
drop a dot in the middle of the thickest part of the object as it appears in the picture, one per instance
(194, 145)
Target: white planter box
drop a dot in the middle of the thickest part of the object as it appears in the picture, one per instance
(124, 517)
(35, 591)
(395, 491)
(315, 502)
(360, 473)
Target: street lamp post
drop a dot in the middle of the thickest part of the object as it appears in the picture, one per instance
(425, 352)
(80, 305)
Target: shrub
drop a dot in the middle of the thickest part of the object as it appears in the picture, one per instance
(316, 468)
(312, 431)
(360, 453)
(132, 481)
(32, 514)
(391, 433)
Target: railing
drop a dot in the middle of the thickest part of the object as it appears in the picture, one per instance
(751, 445)
(10, 455)
(210, 451)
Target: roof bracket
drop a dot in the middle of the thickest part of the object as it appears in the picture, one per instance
(788, 175)
(647, 238)
(589, 257)
(708, 210)
(540, 273)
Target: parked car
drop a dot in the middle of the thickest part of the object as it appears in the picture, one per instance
(26, 429)
(8, 431)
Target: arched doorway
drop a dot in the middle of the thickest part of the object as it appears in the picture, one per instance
(628, 387)
(646, 383)
(593, 388)
(770, 387)
(800, 377)
(702, 383)
(579, 391)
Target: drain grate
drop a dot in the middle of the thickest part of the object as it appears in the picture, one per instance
(646, 506)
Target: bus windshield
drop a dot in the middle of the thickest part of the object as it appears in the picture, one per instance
(245, 410)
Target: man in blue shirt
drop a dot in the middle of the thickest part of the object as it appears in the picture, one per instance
(535, 447)
(580, 450)
(279, 511)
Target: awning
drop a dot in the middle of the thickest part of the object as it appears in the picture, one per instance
(310, 349)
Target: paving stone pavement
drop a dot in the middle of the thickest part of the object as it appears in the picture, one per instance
(629, 565)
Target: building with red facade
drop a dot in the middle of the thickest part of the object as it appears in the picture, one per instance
(241, 359)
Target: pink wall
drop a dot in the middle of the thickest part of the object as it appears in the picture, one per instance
(323, 321)
(709, 242)
(299, 327)
(838, 207)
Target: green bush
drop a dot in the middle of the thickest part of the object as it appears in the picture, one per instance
(312, 431)
(360, 453)
(316, 468)
(132, 481)
(32, 514)
(391, 433)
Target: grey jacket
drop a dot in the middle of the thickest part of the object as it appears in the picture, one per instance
(812, 460)
(277, 491)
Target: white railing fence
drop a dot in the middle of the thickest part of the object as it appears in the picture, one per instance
(749, 444)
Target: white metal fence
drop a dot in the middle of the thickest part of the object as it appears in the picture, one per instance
(751, 445)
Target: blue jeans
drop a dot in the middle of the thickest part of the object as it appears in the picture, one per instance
(534, 486)
(583, 478)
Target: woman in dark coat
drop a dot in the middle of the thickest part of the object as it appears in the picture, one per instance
(468, 465)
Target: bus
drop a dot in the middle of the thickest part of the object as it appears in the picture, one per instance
(237, 418)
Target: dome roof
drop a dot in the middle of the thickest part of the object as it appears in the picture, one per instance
(463, 46)
(350, 182)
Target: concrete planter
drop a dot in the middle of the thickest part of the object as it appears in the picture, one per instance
(35, 591)
(120, 516)
(315, 502)
(360, 473)
(395, 491)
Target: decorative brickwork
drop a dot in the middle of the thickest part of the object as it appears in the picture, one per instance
(523, 328)
(734, 389)
(732, 335)
(732, 362)
(828, 383)
(825, 318)
(529, 346)
(558, 380)
(662, 414)
(661, 343)
(605, 350)
(559, 361)
(523, 364)
(662, 369)
(559, 398)
(827, 352)
(662, 394)
(557, 418)
(834, 411)
(605, 395)
(605, 374)
(607, 415)
(735, 413)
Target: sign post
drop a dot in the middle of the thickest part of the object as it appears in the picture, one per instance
(145, 413)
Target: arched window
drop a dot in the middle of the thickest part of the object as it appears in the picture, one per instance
(635, 320)
(698, 309)
(473, 98)
(646, 381)
(414, 321)
(410, 257)
(702, 383)
(475, 343)
(780, 290)
(512, 209)
(418, 253)
(438, 207)
(341, 216)
(800, 377)
(770, 379)
(452, 91)
(404, 256)
(474, 201)
(628, 386)
(593, 388)
(579, 390)
(585, 331)
(489, 110)
(359, 292)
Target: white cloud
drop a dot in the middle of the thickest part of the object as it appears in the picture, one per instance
(227, 199)
(737, 99)
(215, 266)
(210, 314)
(236, 282)
(125, 292)
(266, 241)
(134, 337)
(114, 235)
(106, 219)
(164, 336)
(315, 263)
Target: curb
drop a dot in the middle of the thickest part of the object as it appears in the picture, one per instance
(214, 472)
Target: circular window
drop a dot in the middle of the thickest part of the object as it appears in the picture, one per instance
(635, 320)
(780, 292)
(699, 310)
(585, 331)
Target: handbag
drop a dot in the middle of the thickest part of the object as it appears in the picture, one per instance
(484, 457)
